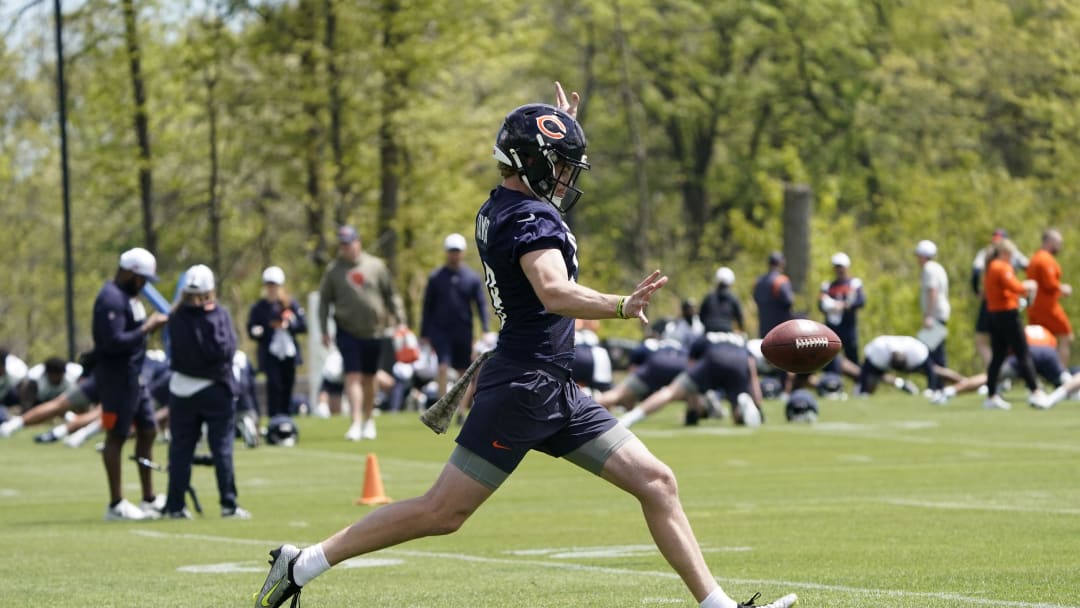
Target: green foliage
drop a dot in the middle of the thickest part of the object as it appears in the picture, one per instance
(908, 120)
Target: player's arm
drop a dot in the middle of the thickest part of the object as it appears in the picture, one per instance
(550, 279)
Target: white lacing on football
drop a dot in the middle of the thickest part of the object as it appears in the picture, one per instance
(811, 342)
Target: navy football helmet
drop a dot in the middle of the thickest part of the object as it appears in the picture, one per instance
(282, 431)
(801, 407)
(536, 137)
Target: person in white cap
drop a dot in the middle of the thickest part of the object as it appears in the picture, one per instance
(840, 300)
(933, 302)
(721, 309)
(202, 389)
(120, 327)
(274, 322)
(453, 291)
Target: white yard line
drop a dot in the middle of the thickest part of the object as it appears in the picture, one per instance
(624, 572)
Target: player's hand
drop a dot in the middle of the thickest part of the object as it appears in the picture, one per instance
(326, 340)
(566, 105)
(637, 303)
(1066, 289)
(154, 321)
(928, 322)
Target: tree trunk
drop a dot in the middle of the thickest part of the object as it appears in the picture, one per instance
(395, 81)
(336, 108)
(798, 208)
(214, 201)
(643, 222)
(142, 129)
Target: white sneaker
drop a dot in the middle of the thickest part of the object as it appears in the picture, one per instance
(369, 429)
(996, 403)
(355, 432)
(235, 513)
(1040, 400)
(124, 511)
(153, 509)
(9, 428)
(748, 411)
(322, 410)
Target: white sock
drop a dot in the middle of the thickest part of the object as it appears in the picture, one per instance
(632, 417)
(718, 599)
(949, 391)
(310, 563)
(14, 424)
(60, 431)
(1057, 396)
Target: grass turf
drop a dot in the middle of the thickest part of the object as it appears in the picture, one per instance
(887, 501)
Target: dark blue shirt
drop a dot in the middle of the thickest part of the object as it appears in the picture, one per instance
(720, 310)
(509, 225)
(262, 314)
(119, 343)
(448, 301)
(774, 297)
(204, 343)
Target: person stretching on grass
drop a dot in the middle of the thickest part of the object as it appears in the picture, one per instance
(525, 398)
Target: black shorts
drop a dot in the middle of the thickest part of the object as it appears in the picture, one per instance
(358, 354)
(453, 349)
(529, 406)
(982, 319)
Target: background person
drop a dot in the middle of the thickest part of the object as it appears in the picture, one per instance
(202, 391)
(774, 295)
(452, 292)
(359, 289)
(12, 372)
(120, 327)
(840, 300)
(47, 381)
(274, 322)
(721, 309)
(1003, 291)
(687, 327)
(1046, 307)
(978, 268)
(933, 301)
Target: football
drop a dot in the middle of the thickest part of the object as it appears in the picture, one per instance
(800, 346)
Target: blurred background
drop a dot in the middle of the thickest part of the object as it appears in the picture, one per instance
(239, 134)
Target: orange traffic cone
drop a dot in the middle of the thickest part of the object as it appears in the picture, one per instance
(373, 488)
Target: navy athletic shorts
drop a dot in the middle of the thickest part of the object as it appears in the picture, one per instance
(529, 406)
(358, 354)
(723, 368)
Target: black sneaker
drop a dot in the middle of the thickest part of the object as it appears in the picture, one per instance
(46, 437)
(279, 585)
(787, 601)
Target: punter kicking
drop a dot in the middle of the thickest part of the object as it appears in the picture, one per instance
(525, 398)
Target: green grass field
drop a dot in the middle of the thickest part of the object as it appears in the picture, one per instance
(886, 501)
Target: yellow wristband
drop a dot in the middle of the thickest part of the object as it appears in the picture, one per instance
(619, 309)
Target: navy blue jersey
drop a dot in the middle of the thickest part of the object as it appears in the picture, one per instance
(509, 225)
(262, 314)
(720, 310)
(448, 302)
(774, 297)
(661, 367)
(204, 343)
(119, 342)
(1046, 361)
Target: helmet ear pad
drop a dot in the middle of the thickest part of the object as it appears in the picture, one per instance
(537, 171)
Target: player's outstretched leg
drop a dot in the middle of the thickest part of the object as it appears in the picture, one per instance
(279, 585)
